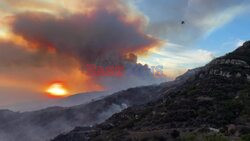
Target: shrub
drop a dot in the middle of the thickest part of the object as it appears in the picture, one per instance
(154, 138)
(245, 137)
(175, 134)
(215, 137)
(189, 137)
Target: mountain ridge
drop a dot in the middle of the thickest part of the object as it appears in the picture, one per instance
(52, 121)
(213, 103)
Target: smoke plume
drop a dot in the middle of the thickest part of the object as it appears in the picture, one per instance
(104, 36)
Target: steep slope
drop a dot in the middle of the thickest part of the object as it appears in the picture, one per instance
(47, 123)
(213, 104)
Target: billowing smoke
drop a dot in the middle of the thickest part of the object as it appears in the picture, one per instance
(94, 38)
(104, 37)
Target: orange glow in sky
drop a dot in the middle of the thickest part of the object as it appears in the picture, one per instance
(57, 89)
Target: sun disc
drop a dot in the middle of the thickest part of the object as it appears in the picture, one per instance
(57, 89)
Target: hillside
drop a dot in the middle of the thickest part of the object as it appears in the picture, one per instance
(47, 123)
(212, 105)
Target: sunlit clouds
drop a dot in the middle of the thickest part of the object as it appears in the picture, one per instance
(177, 59)
(42, 41)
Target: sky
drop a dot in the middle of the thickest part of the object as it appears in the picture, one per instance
(48, 41)
(212, 28)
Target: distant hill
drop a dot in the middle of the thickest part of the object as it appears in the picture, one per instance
(213, 104)
(73, 100)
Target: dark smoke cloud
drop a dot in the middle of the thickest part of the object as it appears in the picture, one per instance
(103, 37)
(88, 38)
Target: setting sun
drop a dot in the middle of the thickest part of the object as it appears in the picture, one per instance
(57, 89)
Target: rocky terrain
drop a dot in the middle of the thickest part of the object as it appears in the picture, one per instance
(212, 104)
